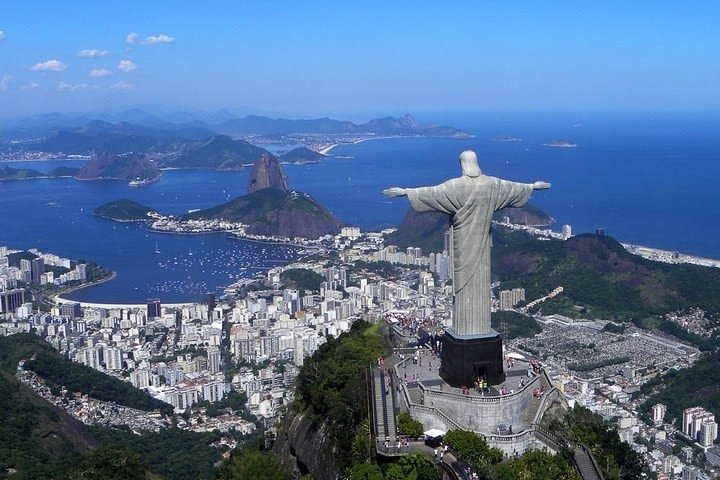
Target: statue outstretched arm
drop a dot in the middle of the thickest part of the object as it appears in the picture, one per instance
(540, 185)
(395, 192)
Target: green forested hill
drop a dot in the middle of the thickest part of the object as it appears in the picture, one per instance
(123, 210)
(41, 358)
(275, 212)
(220, 152)
(37, 440)
(601, 279)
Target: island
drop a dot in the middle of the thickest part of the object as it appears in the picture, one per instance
(269, 211)
(10, 173)
(131, 167)
(123, 210)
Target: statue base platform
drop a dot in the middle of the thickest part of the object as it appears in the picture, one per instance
(465, 359)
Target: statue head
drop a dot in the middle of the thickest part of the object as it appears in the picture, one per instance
(469, 164)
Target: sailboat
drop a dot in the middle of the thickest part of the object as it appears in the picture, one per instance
(157, 250)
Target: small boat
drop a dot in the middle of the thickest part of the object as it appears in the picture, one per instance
(157, 250)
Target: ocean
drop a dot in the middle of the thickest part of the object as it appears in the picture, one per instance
(645, 179)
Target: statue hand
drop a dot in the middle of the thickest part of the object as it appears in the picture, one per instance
(394, 192)
(540, 185)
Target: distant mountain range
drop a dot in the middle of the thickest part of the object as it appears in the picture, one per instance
(406, 125)
(139, 131)
(219, 152)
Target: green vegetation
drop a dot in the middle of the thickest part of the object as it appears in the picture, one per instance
(601, 277)
(616, 459)
(302, 155)
(274, 212)
(426, 230)
(698, 385)
(658, 322)
(9, 173)
(36, 439)
(253, 464)
(537, 465)
(123, 167)
(173, 453)
(409, 426)
(383, 268)
(220, 152)
(518, 325)
(473, 448)
(332, 385)
(57, 370)
(112, 463)
(123, 210)
(302, 279)
(414, 466)
(611, 327)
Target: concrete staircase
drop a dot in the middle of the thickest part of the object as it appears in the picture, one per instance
(384, 407)
(585, 464)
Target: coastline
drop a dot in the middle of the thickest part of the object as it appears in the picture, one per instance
(58, 299)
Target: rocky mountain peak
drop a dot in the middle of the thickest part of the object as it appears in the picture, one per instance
(267, 173)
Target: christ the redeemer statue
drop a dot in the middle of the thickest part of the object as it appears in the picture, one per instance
(471, 201)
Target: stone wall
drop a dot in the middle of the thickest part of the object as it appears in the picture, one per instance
(481, 414)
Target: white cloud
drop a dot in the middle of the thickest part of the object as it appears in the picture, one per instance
(158, 39)
(4, 82)
(134, 38)
(67, 87)
(2, 35)
(126, 66)
(93, 53)
(100, 72)
(49, 66)
(121, 86)
(30, 86)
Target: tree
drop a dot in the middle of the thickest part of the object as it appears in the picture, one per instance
(113, 463)
(365, 471)
(536, 465)
(472, 448)
(253, 464)
(409, 426)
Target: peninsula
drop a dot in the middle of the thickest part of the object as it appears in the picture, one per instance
(270, 210)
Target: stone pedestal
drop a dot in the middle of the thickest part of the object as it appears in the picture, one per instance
(466, 358)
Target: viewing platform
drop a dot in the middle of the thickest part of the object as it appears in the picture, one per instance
(507, 415)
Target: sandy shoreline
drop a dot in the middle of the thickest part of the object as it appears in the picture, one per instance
(58, 299)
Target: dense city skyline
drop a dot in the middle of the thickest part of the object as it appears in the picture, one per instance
(360, 60)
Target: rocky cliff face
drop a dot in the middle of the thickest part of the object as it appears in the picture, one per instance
(271, 209)
(267, 173)
(305, 447)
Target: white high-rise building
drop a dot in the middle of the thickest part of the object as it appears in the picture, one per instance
(658, 413)
(214, 363)
(699, 424)
(566, 232)
(213, 391)
(113, 359)
(708, 433)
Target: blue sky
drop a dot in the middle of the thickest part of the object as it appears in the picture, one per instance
(372, 57)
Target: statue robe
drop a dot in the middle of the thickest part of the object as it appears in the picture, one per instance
(471, 201)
